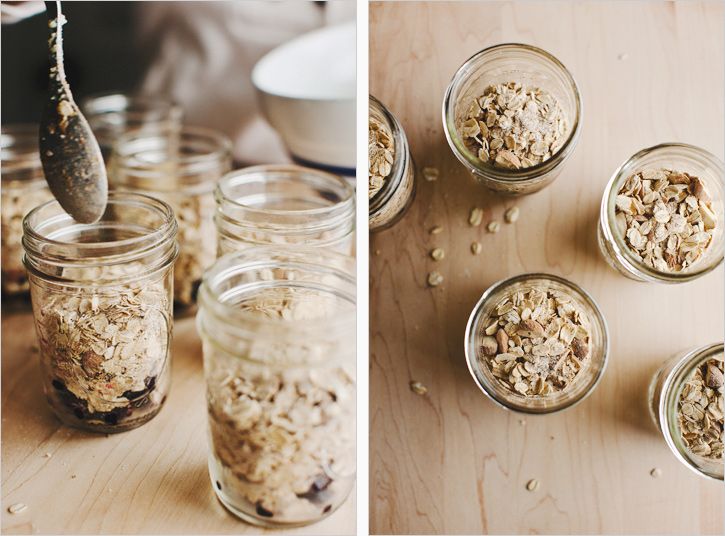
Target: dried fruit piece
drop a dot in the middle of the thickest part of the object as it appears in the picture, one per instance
(502, 339)
(489, 346)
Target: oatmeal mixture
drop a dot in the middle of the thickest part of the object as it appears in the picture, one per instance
(283, 434)
(381, 154)
(700, 411)
(536, 342)
(16, 203)
(104, 352)
(666, 218)
(513, 126)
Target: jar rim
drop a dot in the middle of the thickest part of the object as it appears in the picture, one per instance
(671, 388)
(472, 356)
(127, 159)
(47, 249)
(401, 160)
(502, 175)
(272, 256)
(126, 103)
(293, 172)
(611, 234)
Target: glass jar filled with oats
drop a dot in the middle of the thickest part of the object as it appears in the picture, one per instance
(512, 116)
(686, 404)
(102, 306)
(536, 343)
(391, 172)
(278, 332)
(284, 204)
(182, 169)
(661, 218)
(111, 115)
(23, 188)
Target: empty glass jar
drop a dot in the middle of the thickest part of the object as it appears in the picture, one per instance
(111, 115)
(393, 200)
(182, 169)
(23, 188)
(278, 332)
(572, 344)
(284, 204)
(688, 390)
(673, 156)
(501, 64)
(102, 306)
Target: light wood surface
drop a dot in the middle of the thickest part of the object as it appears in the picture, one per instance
(152, 480)
(451, 462)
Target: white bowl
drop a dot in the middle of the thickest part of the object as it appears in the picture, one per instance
(306, 89)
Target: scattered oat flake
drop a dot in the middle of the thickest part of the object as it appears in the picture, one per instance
(522, 422)
(436, 230)
(418, 388)
(17, 508)
(493, 227)
(476, 217)
(656, 472)
(430, 174)
(476, 248)
(532, 485)
(437, 254)
(377, 252)
(73, 476)
(47, 455)
(511, 215)
(435, 279)
(622, 56)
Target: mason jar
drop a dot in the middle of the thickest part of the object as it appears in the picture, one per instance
(182, 170)
(23, 188)
(284, 204)
(278, 334)
(502, 64)
(102, 306)
(111, 115)
(560, 344)
(393, 200)
(679, 381)
(673, 156)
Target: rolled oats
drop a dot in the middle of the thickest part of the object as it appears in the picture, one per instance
(104, 351)
(435, 278)
(431, 174)
(282, 426)
(475, 217)
(540, 342)
(511, 215)
(532, 485)
(436, 230)
(16, 203)
(381, 155)
(437, 254)
(493, 227)
(665, 218)
(476, 248)
(418, 388)
(700, 411)
(17, 508)
(513, 126)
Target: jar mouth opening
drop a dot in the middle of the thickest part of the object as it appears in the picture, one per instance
(472, 161)
(576, 392)
(633, 165)
(152, 154)
(240, 276)
(672, 388)
(262, 191)
(133, 108)
(400, 156)
(132, 227)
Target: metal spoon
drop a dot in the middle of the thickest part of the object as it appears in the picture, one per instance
(71, 158)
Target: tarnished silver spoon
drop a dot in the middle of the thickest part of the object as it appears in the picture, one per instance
(71, 158)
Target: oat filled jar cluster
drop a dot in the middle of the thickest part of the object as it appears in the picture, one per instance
(278, 331)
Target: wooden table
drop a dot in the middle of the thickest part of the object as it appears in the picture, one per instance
(451, 462)
(152, 480)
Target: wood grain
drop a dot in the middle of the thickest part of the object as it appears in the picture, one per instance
(451, 462)
(152, 480)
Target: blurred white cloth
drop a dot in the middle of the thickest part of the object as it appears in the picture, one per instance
(205, 52)
(11, 12)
